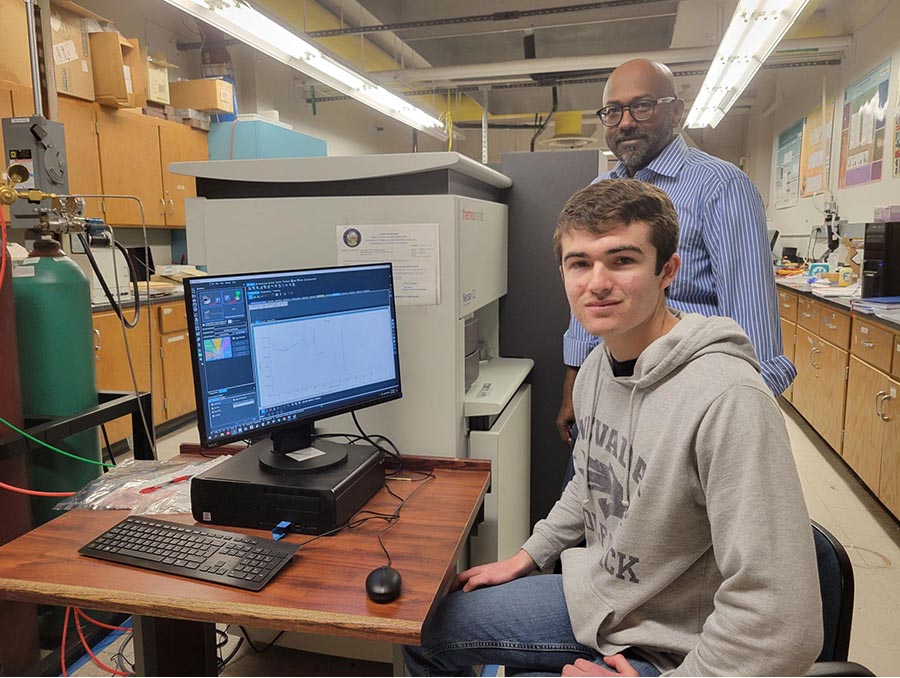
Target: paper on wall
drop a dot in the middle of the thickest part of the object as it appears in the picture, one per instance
(412, 249)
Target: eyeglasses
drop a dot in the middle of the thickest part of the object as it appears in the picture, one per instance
(641, 110)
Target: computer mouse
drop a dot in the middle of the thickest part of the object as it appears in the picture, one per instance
(383, 584)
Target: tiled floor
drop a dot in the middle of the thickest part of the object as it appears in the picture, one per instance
(835, 499)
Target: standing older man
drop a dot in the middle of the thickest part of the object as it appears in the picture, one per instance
(726, 267)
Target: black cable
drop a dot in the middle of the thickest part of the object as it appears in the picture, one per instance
(109, 451)
(222, 638)
(231, 654)
(115, 306)
(547, 119)
(392, 518)
(253, 647)
(395, 454)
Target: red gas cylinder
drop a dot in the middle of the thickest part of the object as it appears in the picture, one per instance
(14, 508)
(19, 649)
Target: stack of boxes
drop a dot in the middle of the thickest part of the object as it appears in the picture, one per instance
(94, 62)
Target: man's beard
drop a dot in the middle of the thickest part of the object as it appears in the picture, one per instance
(637, 158)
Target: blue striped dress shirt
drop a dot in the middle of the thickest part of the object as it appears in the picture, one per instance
(726, 266)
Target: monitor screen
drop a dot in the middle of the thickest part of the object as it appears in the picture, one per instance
(274, 351)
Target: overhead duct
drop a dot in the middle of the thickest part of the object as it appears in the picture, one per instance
(505, 70)
(568, 132)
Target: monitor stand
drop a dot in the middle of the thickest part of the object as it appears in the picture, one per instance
(292, 451)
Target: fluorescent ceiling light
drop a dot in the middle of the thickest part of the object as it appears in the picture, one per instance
(245, 23)
(755, 30)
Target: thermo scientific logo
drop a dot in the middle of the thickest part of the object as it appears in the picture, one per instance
(471, 215)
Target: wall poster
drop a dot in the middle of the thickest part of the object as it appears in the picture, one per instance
(897, 135)
(815, 156)
(863, 128)
(787, 166)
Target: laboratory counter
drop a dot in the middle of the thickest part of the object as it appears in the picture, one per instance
(842, 303)
(848, 383)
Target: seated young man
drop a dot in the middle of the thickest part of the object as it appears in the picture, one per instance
(699, 556)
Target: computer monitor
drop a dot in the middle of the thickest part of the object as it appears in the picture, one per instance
(273, 352)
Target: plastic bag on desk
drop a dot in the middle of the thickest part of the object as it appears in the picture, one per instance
(145, 487)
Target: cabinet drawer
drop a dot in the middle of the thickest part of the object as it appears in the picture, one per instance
(834, 327)
(787, 305)
(172, 317)
(895, 370)
(808, 313)
(872, 344)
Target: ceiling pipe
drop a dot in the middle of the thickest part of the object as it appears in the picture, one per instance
(530, 67)
(510, 15)
(543, 126)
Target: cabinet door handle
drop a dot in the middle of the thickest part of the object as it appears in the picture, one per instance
(881, 413)
(868, 344)
(806, 315)
(812, 354)
(98, 340)
(162, 206)
(830, 326)
(786, 305)
(171, 207)
(879, 399)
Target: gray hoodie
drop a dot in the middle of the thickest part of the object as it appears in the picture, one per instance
(699, 548)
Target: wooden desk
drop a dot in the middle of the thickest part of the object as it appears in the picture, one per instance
(322, 591)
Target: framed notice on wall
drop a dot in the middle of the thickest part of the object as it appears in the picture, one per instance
(787, 166)
(863, 128)
(815, 156)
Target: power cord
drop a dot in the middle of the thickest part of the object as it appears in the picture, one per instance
(257, 650)
(393, 453)
(109, 451)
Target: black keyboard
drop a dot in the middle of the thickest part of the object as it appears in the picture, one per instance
(198, 552)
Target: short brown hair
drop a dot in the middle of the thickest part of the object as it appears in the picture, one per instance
(607, 204)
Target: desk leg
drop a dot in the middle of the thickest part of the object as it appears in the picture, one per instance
(174, 647)
(397, 660)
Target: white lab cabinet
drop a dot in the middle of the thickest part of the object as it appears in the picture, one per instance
(506, 445)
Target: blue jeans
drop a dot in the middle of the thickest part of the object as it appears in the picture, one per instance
(523, 623)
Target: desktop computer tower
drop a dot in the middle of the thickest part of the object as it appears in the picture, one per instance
(881, 261)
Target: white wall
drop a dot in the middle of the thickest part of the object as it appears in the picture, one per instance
(801, 91)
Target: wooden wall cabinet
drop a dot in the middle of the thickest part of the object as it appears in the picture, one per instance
(179, 143)
(172, 389)
(82, 150)
(135, 152)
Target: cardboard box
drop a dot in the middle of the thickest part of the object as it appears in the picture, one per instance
(70, 26)
(119, 74)
(211, 95)
(158, 79)
(15, 63)
(193, 118)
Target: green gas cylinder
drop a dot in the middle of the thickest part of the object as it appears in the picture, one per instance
(56, 365)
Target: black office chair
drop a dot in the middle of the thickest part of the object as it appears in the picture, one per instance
(836, 587)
